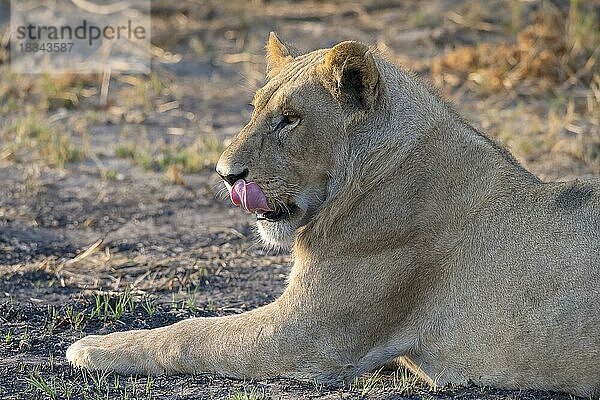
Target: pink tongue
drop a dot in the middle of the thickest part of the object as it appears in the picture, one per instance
(248, 195)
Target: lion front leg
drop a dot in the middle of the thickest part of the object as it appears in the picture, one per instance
(260, 343)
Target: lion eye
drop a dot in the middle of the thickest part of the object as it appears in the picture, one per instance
(285, 121)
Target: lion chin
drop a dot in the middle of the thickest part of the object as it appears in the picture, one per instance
(281, 234)
(277, 234)
(413, 236)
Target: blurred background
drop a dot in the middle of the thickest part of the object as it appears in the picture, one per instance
(525, 71)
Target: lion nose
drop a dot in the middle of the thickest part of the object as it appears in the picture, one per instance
(232, 176)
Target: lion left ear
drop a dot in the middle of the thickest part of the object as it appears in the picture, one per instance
(278, 55)
(349, 71)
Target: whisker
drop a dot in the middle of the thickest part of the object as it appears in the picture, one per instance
(283, 205)
(217, 185)
(222, 194)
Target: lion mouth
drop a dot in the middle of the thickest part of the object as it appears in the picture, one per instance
(278, 214)
(250, 196)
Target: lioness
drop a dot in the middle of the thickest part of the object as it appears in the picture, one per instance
(412, 234)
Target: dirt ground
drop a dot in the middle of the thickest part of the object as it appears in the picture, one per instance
(111, 217)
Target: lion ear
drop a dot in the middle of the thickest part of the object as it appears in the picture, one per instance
(349, 71)
(278, 55)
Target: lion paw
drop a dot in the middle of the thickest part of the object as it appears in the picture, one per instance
(126, 353)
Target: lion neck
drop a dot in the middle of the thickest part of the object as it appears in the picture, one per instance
(410, 160)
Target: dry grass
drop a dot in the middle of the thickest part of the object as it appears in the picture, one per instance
(29, 139)
(553, 53)
(173, 159)
(40, 94)
(140, 92)
(549, 57)
(540, 92)
(49, 117)
(36, 107)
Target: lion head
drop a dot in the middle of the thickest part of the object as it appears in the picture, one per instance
(287, 160)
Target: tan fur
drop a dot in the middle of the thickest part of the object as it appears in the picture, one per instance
(413, 235)
(278, 55)
(342, 62)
